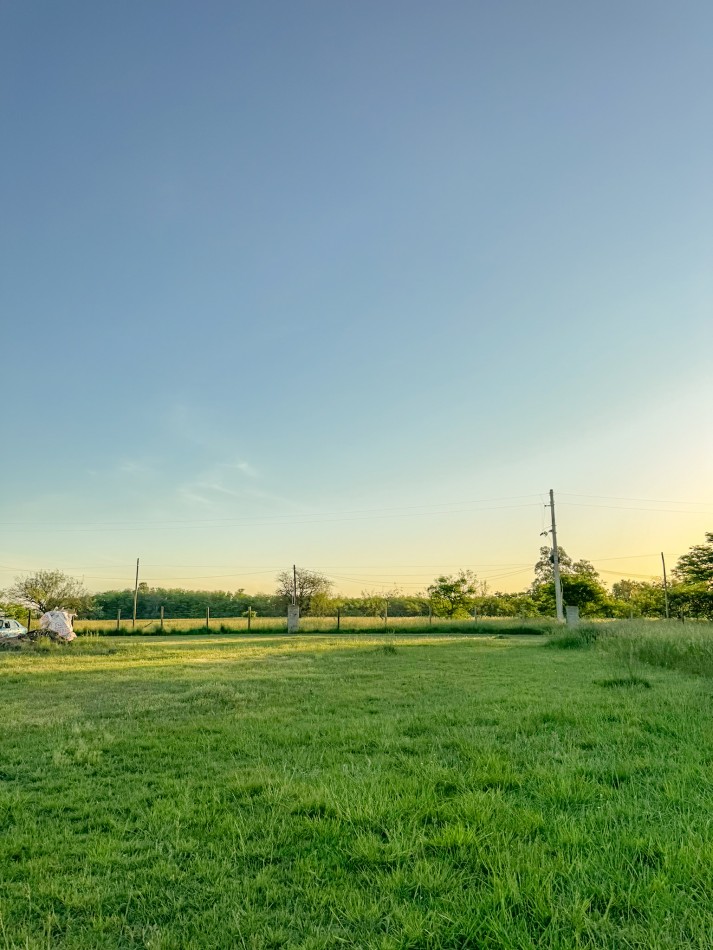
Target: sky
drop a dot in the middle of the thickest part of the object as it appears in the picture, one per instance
(353, 285)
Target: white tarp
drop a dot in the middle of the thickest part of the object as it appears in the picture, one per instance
(59, 622)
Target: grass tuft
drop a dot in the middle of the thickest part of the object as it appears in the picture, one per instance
(626, 681)
(577, 638)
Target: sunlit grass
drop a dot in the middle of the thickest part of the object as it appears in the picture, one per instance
(329, 625)
(375, 792)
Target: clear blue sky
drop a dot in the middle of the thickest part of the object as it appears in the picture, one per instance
(266, 261)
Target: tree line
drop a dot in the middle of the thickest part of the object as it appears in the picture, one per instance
(689, 594)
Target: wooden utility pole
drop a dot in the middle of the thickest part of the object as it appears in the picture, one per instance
(665, 585)
(556, 561)
(136, 593)
(294, 583)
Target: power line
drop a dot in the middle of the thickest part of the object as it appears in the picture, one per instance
(663, 501)
(280, 519)
(673, 511)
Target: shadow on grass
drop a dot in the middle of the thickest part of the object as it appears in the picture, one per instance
(624, 681)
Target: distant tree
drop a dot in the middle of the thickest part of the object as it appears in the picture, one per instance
(501, 604)
(51, 590)
(452, 595)
(374, 602)
(638, 598)
(322, 605)
(578, 590)
(544, 568)
(9, 609)
(696, 566)
(691, 600)
(310, 585)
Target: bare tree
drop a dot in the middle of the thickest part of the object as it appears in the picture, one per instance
(310, 585)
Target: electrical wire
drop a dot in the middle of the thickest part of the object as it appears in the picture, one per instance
(280, 519)
(663, 501)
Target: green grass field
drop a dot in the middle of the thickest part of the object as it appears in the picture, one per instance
(375, 792)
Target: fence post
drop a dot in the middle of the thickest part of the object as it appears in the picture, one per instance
(386, 612)
(29, 620)
(118, 619)
(339, 617)
(250, 614)
(430, 612)
(161, 618)
(207, 618)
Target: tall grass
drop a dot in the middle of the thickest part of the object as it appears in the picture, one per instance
(687, 647)
(672, 645)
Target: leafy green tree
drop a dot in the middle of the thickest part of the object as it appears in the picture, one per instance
(51, 590)
(692, 600)
(374, 603)
(453, 595)
(8, 609)
(544, 568)
(638, 598)
(696, 566)
(578, 590)
(501, 604)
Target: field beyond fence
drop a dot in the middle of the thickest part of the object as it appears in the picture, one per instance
(487, 625)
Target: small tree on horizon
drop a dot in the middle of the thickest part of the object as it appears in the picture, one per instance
(453, 595)
(696, 566)
(311, 586)
(51, 590)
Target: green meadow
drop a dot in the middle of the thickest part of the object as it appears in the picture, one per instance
(356, 792)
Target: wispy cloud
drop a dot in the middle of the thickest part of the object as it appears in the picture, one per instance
(225, 478)
(138, 467)
(187, 494)
(247, 469)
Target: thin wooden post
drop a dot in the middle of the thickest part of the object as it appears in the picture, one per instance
(118, 619)
(339, 617)
(430, 612)
(665, 585)
(386, 612)
(250, 614)
(161, 618)
(207, 618)
(29, 620)
(136, 593)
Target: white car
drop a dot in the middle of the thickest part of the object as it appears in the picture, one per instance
(10, 628)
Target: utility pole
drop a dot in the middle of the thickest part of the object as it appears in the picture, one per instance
(293, 610)
(556, 561)
(665, 585)
(136, 593)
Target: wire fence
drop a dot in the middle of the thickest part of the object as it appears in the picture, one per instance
(335, 624)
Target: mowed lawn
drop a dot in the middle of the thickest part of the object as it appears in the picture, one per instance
(365, 792)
